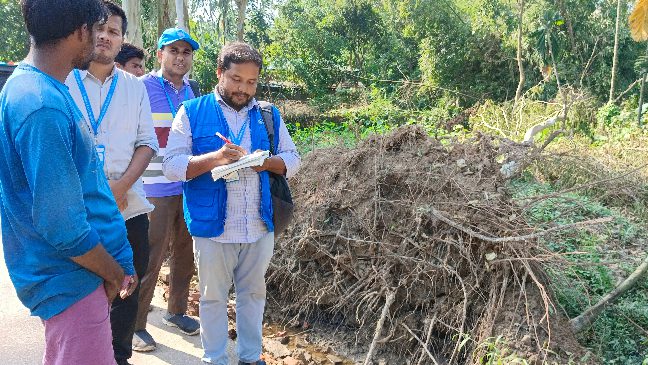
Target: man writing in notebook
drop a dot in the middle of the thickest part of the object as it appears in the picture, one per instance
(64, 240)
(118, 115)
(167, 89)
(231, 220)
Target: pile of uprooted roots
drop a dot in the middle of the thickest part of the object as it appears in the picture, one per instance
(417, 245)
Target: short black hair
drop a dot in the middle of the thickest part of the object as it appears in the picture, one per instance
(238, 52)
(114, 9)
(49, 21)
(127, 52)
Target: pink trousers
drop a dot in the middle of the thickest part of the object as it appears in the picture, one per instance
(81, 334)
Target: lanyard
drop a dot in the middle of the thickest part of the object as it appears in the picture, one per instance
(76, 112)
(174, 110)
(104, 108)
(239, 138)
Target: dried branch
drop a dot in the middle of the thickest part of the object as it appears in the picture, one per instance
(389, 299)
(528, 237)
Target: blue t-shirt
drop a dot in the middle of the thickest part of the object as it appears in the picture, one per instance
(56, 202)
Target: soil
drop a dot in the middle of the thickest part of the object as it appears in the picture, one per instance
(407, 245)
(407, 218)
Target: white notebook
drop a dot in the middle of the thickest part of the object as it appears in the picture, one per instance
(251, 160)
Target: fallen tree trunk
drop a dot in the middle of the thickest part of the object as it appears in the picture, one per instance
(591, 314)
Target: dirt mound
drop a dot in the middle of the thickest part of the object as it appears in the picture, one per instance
(402, 238)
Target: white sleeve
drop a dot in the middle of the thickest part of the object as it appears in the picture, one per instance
(178, 149)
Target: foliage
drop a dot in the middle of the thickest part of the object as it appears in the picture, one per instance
(205, 60)
(305, 50)
(416, 51)
(14, 43)
(590, 271)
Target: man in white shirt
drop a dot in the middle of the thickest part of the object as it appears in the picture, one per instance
(117, 112)
(230, 220)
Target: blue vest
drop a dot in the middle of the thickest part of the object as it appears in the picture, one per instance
(205, 200)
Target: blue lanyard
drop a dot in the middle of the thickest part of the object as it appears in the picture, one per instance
(239, 138)
(174, 110)
(95, 123)
(76, 112)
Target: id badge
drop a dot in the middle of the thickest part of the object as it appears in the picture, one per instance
(101, 153)
(232, 177)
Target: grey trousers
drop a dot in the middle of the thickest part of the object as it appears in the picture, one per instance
(220, 264)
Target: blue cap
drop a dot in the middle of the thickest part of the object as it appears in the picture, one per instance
(176, 34)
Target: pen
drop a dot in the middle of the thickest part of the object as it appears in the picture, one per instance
(223, 138)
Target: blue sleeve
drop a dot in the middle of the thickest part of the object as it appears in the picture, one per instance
(44, 143)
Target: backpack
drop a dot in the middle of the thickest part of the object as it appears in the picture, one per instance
(282, 203)
(195, 88)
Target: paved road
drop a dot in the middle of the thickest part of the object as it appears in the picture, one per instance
(22, 338)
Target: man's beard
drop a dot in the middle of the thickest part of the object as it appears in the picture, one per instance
(103, 59)
(82, 62)
(228, 98)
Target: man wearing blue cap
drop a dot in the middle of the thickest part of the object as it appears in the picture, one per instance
(167, 89)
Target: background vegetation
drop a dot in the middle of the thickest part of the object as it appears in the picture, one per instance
(342, 69)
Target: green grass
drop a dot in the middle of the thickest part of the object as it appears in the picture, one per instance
(618, 336)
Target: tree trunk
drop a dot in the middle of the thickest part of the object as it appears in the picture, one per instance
(616, 51)
(224, 6)
(641, 92)
(518, 92)
(568, 23)
(240, 26)
(589, 316)
(183, 18)
(641, 98)
(134, 15)
(565, 110)
(166, 15)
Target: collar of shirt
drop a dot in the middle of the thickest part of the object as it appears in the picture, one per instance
(253, 103)
(86, 73)
(185, 81)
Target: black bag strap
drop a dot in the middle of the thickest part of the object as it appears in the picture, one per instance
(195, 88)
(268, 119)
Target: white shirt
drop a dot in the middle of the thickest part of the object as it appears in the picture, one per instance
(243, 223)
(126, 126)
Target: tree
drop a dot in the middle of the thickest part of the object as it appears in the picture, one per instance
(241, 6)
(258, 23)
(616, 51)
(166, 15)
(359, 24)
(14, 43)
(133, 14)
(183, 14)
(224, 5)
(518, 92)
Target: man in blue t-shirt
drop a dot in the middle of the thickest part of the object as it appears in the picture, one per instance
(64, 239)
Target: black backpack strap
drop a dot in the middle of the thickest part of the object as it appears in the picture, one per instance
(195, 88)
(268, 119)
